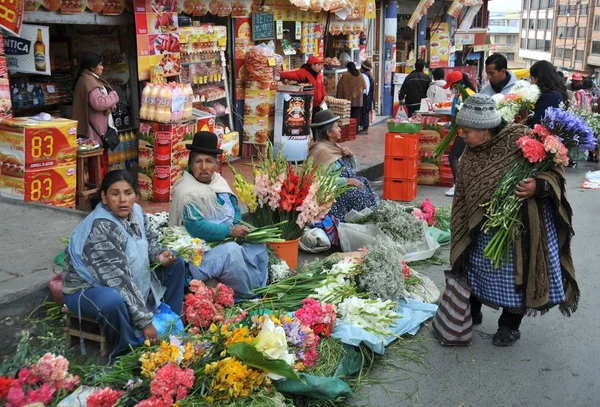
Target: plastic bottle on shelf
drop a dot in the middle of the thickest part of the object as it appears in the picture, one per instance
(145, 98)
(189, 98)
(152, 101)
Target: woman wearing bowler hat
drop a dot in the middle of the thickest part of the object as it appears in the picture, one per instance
(204, 203)
(333, 157)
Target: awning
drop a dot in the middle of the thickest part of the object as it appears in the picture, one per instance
(419, 13)
(456, 7)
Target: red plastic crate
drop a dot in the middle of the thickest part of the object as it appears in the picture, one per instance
(400, 167)
(400, 189)
(401, 144)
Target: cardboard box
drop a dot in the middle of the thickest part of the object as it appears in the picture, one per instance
(40, 144)
(50, 186)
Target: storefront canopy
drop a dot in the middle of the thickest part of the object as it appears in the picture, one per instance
(419, 13)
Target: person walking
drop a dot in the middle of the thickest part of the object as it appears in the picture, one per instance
(539, 273)
(437, 92)
(351, 86)
(501, 79)
(415, 88)
(553, 91)
(368, 97)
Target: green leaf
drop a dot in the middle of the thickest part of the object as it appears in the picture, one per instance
(253, 358)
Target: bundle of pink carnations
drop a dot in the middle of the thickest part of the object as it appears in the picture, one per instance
(40, 383)
(321, 317)
(205, 305)
(541, 150)
(425, 212)
(282, 192)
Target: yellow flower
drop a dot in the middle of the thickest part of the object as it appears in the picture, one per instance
(147, 342)
(213, 328)
(196, 240)
(233, 379)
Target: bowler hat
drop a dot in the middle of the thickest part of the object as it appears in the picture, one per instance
(324, 117)
(205, 142)
(367, 65)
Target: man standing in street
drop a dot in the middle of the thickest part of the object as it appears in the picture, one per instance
(415, 88)
(501, 79)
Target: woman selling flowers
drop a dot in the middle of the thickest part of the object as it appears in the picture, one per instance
(107, 274)
(539, 272)
(328, 153)
(204, 203)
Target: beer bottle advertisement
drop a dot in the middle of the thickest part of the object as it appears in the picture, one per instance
(29, 53)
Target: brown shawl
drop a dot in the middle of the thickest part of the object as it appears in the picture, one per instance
(350, 86)
(324, 153)
(481, 169)
(87, 82)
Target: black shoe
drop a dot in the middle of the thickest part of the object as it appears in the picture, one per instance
(478, 319)
(506, 337)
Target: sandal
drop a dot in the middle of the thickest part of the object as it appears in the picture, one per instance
(506, 337)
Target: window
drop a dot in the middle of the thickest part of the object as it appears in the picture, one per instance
(539, 45)
(570, 32)
(497, 39)
(524, 22)
(513, 23)
(596, 47)
(573, 9)
(532, 24)
(535, 4)
(511, 39)
(510, 56)
(541, 24)
(581, 32)
(568, 53)
(526, 3)
(562, 10)
(560, 32)
(543, 4)
(597, 23)
(583, 10)
(547, 46)
(579, 56)
(549, 23)
(558, 52)
(530, 44)
(523, 43)
(551, 3)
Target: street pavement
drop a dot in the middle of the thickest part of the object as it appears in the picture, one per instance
(556, 363)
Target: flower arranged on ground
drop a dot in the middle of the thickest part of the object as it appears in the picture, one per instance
(184, 245)
(173, 352)
(170, 385)
(205, 305)
(339, 283)
(300, 195)
(105, 397)
(321, 317)
(158, 222)
(541, 150)
(39, 383)
(381, 271)
(231, 379)
(372, 315)
(279, 271)
(425, 212)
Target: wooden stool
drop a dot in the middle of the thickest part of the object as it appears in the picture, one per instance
(90, 330)
(86, 190)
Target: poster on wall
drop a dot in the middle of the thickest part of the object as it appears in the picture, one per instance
(11, 17)
(439, 46)
(29, 53)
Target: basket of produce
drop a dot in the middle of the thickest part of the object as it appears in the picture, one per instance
(403, 126)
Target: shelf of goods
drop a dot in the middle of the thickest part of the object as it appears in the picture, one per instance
(429, 172)
(331, 78)
(341, 108)
(206, 73)
(38, 161)
(400, 166)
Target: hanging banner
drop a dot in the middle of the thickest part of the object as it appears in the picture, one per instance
(29, 53)
(11, 17)
(419, 12)
(439, 46)
(370, 10)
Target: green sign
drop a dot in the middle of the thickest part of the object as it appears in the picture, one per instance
(263, 26)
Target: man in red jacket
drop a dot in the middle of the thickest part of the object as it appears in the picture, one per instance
(311, 72)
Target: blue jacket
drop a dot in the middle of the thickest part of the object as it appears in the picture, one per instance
(546, 100)
(207, 230)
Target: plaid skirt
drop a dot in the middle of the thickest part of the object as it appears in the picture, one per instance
(496, 287)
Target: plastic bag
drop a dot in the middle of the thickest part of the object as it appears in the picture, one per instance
(257, 63)
(401, 113)
(413, 313)
(426, 291)
(354, 237)
(314, 240)
(166, 321)
(315, 387)
(442, 236)
(78, 398)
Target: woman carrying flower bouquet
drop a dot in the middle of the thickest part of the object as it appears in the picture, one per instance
(204, 203)
(539, 273)
(553, 91)
(107, 274)
(328, 153)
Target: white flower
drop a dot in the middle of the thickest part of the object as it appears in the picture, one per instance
(271, 342)
(279, 271)
(375, 316)
(498, 98)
